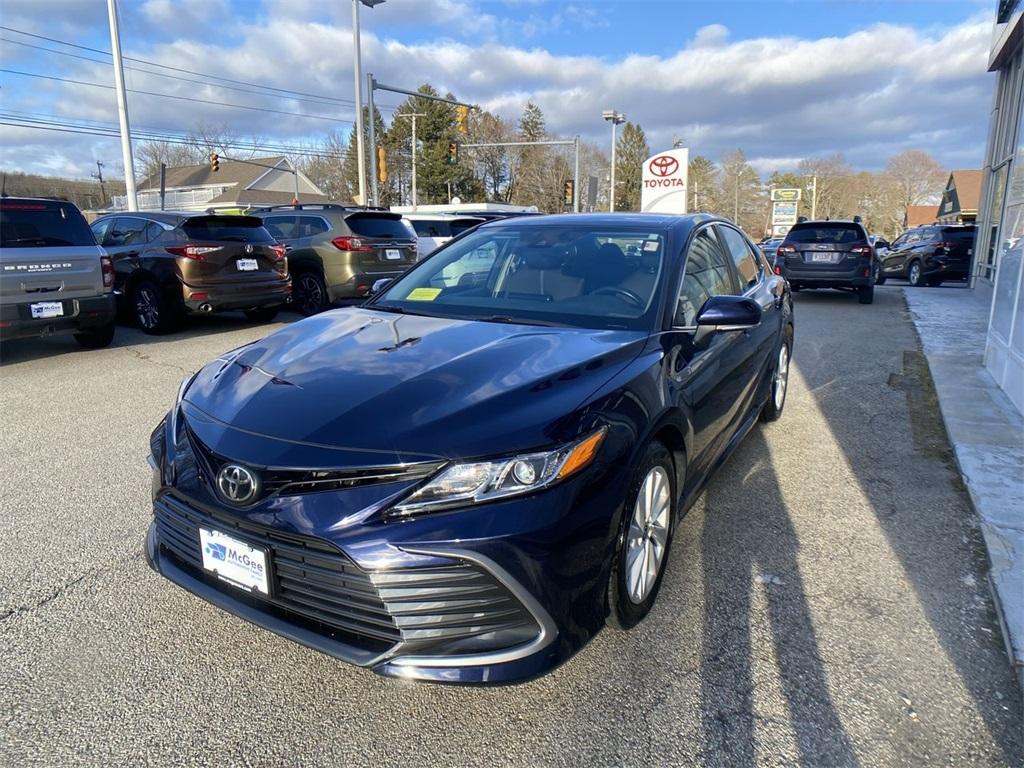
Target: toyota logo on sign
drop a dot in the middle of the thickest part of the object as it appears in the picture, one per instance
(663, 165)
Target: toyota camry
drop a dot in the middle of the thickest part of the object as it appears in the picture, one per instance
(465, 478)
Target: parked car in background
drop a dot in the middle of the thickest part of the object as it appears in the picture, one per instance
(337, 252)
(54, 278)
(880, 244)
(769, 248)
(435, 229)
(930, 255)
(168, 265)
(462, 479)
(829, 254)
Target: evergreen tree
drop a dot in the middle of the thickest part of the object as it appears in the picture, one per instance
(630, 152)
(702, 188)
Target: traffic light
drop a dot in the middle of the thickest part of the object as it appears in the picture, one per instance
(569, 193)
(382, 165)
(461, 118)
(453, 153)
(214, 162)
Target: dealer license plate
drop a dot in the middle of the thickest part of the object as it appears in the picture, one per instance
(247, 265)
(828, 257)
(47, 309)
(392, 253)
(234, 561)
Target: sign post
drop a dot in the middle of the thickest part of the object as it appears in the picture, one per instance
(664, 183)
(785, 207)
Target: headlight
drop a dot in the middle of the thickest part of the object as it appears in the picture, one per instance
(473, 483)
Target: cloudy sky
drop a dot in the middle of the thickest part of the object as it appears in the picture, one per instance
(782, 80)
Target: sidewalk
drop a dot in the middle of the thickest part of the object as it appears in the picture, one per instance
(987, 435)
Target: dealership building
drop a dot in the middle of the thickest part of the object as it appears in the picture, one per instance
(1000, 240)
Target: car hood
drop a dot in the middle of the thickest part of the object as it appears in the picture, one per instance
(376, 388)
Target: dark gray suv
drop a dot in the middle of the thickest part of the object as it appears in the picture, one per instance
(829, 254)
(337, 252)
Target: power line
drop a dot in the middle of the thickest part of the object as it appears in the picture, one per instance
(176, 98)
(348, 102)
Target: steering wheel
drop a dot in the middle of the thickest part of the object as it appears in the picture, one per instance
(622, 293)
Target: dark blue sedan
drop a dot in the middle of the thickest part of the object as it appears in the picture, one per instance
(465, 478)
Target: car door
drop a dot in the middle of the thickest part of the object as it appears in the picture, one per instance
(895, 261)
(124, 240)
(699, 368)
(757, 346)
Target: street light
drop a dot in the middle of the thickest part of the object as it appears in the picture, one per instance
(615, 118)
(360, 149)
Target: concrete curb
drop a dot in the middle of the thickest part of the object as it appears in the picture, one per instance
(987, 435)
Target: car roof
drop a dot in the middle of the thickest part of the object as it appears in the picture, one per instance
(440, 216)
(686, 221)
(164, 217)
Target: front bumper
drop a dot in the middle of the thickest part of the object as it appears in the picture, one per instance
(16, 321)
(420, 620)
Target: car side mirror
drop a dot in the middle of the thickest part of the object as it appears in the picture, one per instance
(381, 285)
(729, 313)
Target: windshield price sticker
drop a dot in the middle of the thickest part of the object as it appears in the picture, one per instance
(423, 294)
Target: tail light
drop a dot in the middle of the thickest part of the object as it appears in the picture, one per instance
(785, 249)
(350, 244)
(107, 267)
(861, 250)
(778, 270)
(197, 252)
(279, 251)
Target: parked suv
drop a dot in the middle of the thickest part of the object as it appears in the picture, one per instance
(829, 254)
(339, 252)
(435, 229)
(170, 264)
(930, 254)
(53, 276)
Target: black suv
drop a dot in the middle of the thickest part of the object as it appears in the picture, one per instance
(930, 254)
(169, 264)
(339, 252)
(829, 254)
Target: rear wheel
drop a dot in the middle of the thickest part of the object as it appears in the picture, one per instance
(261, 314)
(96, 338)
(935, 282)
(915, 276)
(866, 294)
(780, 379)
(645, 538)
(151, 309)
(309, 293)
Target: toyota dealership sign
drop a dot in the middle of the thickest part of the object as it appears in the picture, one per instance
(664, 185)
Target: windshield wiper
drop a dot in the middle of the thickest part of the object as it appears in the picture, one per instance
(513, 321)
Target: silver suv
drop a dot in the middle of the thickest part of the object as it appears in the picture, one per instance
(53, 276)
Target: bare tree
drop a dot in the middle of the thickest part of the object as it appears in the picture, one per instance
(918, 177)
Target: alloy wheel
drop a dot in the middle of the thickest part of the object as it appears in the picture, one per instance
(648, 534)
(781, 378)
(310, 297)
(915, 274)
(147, 307)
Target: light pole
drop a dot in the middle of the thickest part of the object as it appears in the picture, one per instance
(615, 118)
(122, 108)
(814, 200)
(360, 148)
(413, 116)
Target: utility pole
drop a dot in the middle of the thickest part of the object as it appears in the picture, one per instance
(413, 116)
(358, 66)
(814, 200)
(99, 175)
(122, 108)
(615, 118)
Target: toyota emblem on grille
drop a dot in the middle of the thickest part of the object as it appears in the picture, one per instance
(237, 484)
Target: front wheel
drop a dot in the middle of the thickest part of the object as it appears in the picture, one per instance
(772, 410)
(261, 314)
(914, 274)
(645, 538)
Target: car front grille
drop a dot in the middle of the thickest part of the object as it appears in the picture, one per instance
(456, 608)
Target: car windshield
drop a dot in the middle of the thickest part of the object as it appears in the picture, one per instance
(586, 277)
(241, 229)
(824, 233)
(380, 225)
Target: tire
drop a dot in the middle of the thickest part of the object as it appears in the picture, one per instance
(96, 338)
(772, 410)
(935, 283)
(880, 280)
(632, 591)
(915, 275)
(866, 294)
(309, 293)
(262, 314)
(153, 313)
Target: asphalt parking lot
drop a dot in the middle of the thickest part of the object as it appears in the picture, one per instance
(825, 603)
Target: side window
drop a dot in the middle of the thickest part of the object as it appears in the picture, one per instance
(280, 227)
(707, 275)
(153, 231)
(127, 230)
(309, 226)
(99, 229)
(747, 267)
